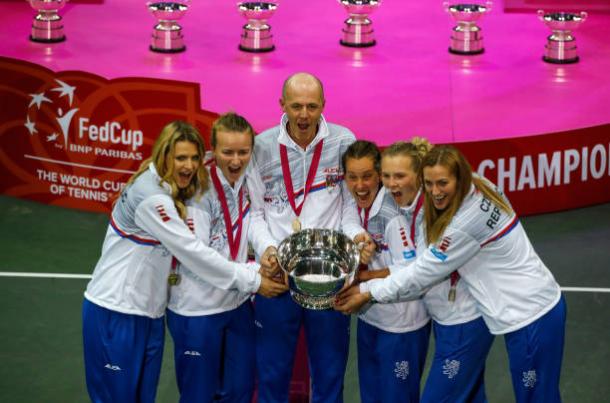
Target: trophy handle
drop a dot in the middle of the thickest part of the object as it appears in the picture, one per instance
(583, 15)
(541, 15)
(488, 5)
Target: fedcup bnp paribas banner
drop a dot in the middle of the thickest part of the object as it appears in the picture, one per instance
(73, 139)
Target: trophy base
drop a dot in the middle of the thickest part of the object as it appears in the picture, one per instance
(168, 41)
(171, 50)
(466, 52)
(250, 50)
(358, 35)
(561, 61)
(466, 41)
(47, 30)
(47, 40)
(560, 52)
(357, 45)
(256, 40)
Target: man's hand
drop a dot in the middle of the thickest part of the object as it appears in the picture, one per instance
(271, 288)
(351, 300)
(367, 247)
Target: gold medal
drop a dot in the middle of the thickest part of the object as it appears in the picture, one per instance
(296, 225)
(173, 279)
(452, 292)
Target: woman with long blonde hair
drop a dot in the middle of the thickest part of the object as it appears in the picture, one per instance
(471, 227)
(125, 301)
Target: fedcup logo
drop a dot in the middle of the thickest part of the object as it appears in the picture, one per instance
(63, 119)
(90, 138)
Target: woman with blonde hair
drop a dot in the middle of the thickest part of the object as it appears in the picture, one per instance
(471, 227)
(125, 301)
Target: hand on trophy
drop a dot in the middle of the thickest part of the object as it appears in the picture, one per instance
(351, 300)
(270, 287)
(366, 245)
(269, 264)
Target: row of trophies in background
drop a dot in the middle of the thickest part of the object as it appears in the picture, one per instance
(466, 37)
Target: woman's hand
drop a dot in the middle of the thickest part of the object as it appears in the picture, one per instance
(366, 245)
(351, 300)
(270, 287)
(366, 275)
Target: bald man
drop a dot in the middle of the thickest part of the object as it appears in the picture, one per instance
(303, 149)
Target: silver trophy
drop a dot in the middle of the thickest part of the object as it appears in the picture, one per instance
(318, 263)
(167, 34)
(560, 47)
(466, 38)
(358, 28)
(47, 26)
(256, 34)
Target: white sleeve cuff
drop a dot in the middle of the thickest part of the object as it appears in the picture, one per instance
(249, 277)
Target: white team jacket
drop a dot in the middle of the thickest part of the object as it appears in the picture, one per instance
(390, 230)
(195, 296)
(145, 231)
(436, 299)
(496, 261)
(328, 204)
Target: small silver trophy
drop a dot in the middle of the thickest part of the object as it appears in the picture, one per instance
(560, 47)
(466, 38)
(167, 34)
(358, 28)
(47, 26)
(319, 263)
(256, 34)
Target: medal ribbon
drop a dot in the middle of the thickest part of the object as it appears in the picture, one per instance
(418, 205)
(365, 225)
(365, 221)
(174, 266)
(311, 174)
(454, 278)
(233, 241)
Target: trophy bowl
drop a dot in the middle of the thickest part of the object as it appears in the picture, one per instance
(561, 44)
(467, 12)
(47, 26)
(318, 263)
